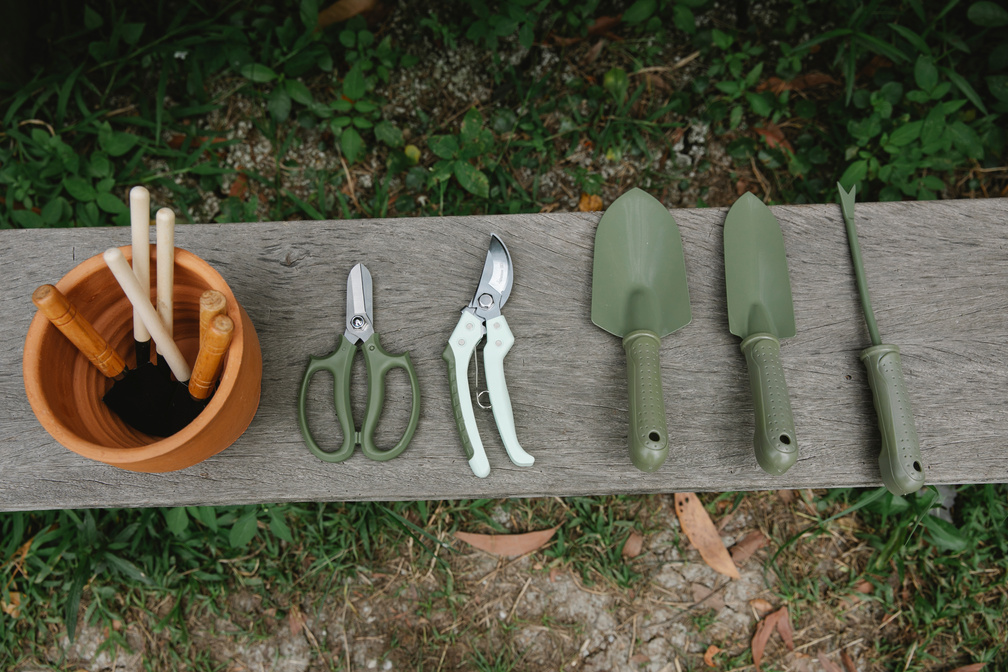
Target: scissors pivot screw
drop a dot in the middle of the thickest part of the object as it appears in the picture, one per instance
(486, 302)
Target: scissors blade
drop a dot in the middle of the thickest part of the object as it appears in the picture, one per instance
(495, 284)
(359, 320)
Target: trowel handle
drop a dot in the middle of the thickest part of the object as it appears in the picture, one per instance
(65, 317)
(499, 342)
(459, 351)
(648, 430)
(774, 440)
(213, 346)
(900, 459)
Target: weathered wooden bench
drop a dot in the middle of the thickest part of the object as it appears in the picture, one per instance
(938, 273)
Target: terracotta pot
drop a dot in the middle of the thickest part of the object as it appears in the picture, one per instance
(65, 391)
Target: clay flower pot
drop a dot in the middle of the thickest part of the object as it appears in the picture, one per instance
(65, 391)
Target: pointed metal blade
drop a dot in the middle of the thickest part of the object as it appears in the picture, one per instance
(359, 320)
(495, 283)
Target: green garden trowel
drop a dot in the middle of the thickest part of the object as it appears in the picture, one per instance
(900, 458)
(639, 293)
(761, 312)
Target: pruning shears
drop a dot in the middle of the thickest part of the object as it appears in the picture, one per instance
(482, 317)
(359, 333)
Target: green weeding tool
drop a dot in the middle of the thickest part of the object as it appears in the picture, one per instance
(900, 459)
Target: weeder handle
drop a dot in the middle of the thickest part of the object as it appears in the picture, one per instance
(648, 428)
(499, 342)
(461, 346)
(900, 459)
(774, 439)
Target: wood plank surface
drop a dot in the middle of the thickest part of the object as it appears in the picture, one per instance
(938, 275)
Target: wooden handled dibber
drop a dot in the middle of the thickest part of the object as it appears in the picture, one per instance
(211, 304)
(213, 346)
(64, 316)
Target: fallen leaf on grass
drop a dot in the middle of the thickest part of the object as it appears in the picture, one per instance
(343, 10)
(12, 608)
(847, 662)
(240, 186)
(703, 535)
(774, 136)
(708, 656)
(975, 667)
(296, 621)
(780, 622)
(508, 544)
(590, 203)
(634, 544)
(744, 549)
(827, 664)
(761, 606)
(640, 659)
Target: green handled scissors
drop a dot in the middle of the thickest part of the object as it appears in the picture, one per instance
(377, 363)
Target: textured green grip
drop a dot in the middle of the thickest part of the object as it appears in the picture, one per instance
(900, 459)
(339, 363)
(378, 362)
(774, 440)
(648, 430)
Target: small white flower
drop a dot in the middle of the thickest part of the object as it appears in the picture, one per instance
(181, 55)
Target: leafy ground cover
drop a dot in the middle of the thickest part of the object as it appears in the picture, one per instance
(232, 111)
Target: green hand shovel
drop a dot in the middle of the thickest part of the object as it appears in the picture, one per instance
(639, 293)
(761, 312)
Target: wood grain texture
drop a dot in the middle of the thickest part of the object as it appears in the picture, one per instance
(938, 275)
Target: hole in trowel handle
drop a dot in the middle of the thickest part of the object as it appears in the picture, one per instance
(917, 467)
(655, 436)
(785, 439)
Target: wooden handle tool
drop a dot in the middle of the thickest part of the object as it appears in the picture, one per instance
(211, 304)
(140, 233)
(65, 317)
(141, 300)
(213, 346)
(165, 227)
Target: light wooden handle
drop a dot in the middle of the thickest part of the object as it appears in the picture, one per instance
(211, 304)
(139, 199)
(64, 316)
(140, 299)
(211, 356)
(165, 228)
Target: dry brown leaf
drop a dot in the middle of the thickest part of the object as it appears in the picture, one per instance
(827, 664)
(12, 608)
(634, 544)
(240, 185)
(779, 621)
(703, 535)
(761, 606)
(786, 496)
(784, 628)
(296, 621)
(604, 24)
(744, 549)
(342, 11)
(848, 663)
(708, 656)
(508, 544)
(864, 587)
(774, 136)
(640, 659)
(590, 203)
(975, 667)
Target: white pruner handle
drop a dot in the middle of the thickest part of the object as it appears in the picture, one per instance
(499, 342)
(461, 345)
